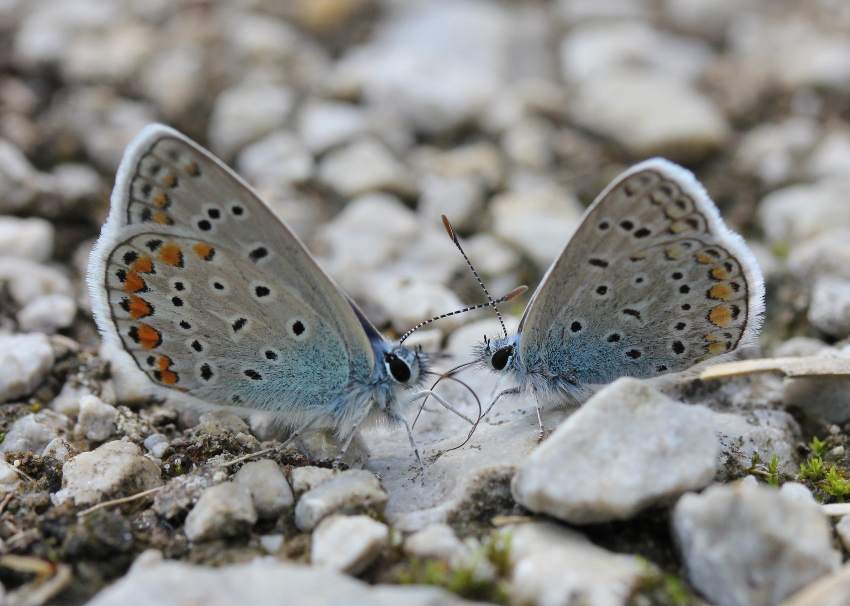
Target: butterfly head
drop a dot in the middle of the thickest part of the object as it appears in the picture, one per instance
(405, 367)
(497, 355)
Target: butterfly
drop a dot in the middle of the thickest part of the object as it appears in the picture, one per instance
(652, 282)
(202, 293)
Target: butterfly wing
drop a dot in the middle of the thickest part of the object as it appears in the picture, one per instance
(209, 293)
(651, 282)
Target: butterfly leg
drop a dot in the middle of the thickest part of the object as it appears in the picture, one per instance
(400, 418)
(511, 391)
(428, 393)
(260, 453)
(350, 437)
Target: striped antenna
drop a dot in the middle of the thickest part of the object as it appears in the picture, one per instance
(514, 293)
(475, 273)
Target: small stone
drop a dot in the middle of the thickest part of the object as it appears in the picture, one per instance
(28, 238)
(761, 431)
(10, 479)
(799, 346)
(28, 280)
(650, 113)
(481, 161)
(829, 310)
(749, 544)
(25, 360)
(60, 450)
(221, 422)
(773, 151)
(157, 444)
(74, 182)
(348, 543)
(528, 143)
(224, 510)
(842, 529)
(551, 564)
(272, 542)
(309, 477)
(796, 213)
(826, 254)
(279, 158)
(407, 302)
(838, 451)
(184, 491)
(562, 476)
(827, 397)
(326, 124)
(538, 219)
(247, 113)
(97, 419)
(459, 198)
(269, 489)
(831, 157)
(352, 491)
(116, 469)
(173, 78)
(33, 432)
(20, 182)
(47, 314)
(436, 541)
(364, 166)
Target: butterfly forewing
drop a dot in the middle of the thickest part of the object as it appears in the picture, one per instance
(211, 294)
(651, 282)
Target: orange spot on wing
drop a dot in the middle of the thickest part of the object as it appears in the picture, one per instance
(717, 348)
(169, 180)
(149, 337)
(192, 169)
(204, 251)
(143, 265)
(673, 252)
(139, 308)
(133, 283)
(718, 272)
(720, 316)
(161, 199)
(169, 377)
(703, 258)
(720, 291)
(162, 219)
(170, 253)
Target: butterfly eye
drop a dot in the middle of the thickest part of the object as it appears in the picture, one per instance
(398, 368)
(501, 358)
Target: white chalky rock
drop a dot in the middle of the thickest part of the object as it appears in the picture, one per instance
(60, 450)
(96, 420)
(269, 489)
(829, 310)
(10, 479)
(309, 477)
(28, 280)
(364, 166)
(352, 491)
(28, 238)
(25, 360)
(348, 543)
(798, 212)
(656, 449)
(261, 582)
(436, 541)
(750, 545)
(552, 565)
(35, 431)
(650, 113)
(116, 469)
(279, 158)
(325, 124)
(47, 314)
(246, 113)
(224, 510)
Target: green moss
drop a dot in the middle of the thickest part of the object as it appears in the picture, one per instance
(768, 472)
(818, 447)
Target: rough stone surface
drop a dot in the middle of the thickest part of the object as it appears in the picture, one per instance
(26, 360)
(751, 545)
(348, 543)
(246, 113)
(270, 492)
(224, 510)
(96, 420)
(116, 469)
(829, 310)
(436, 541)
(362, 167)
(47, 314)
(28, 238)
(552, 565)
(656, 449)
(35, 431)
(353, 491)
(309, 477)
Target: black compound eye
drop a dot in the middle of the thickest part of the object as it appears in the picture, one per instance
(501, 358)
(398, 368)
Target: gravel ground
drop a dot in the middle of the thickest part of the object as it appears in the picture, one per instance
(361, 122)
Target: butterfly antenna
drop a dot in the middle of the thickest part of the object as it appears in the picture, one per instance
(511, 295)
(453, 236)
(449, 373)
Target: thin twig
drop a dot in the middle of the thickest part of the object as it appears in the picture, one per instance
(138, 495)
